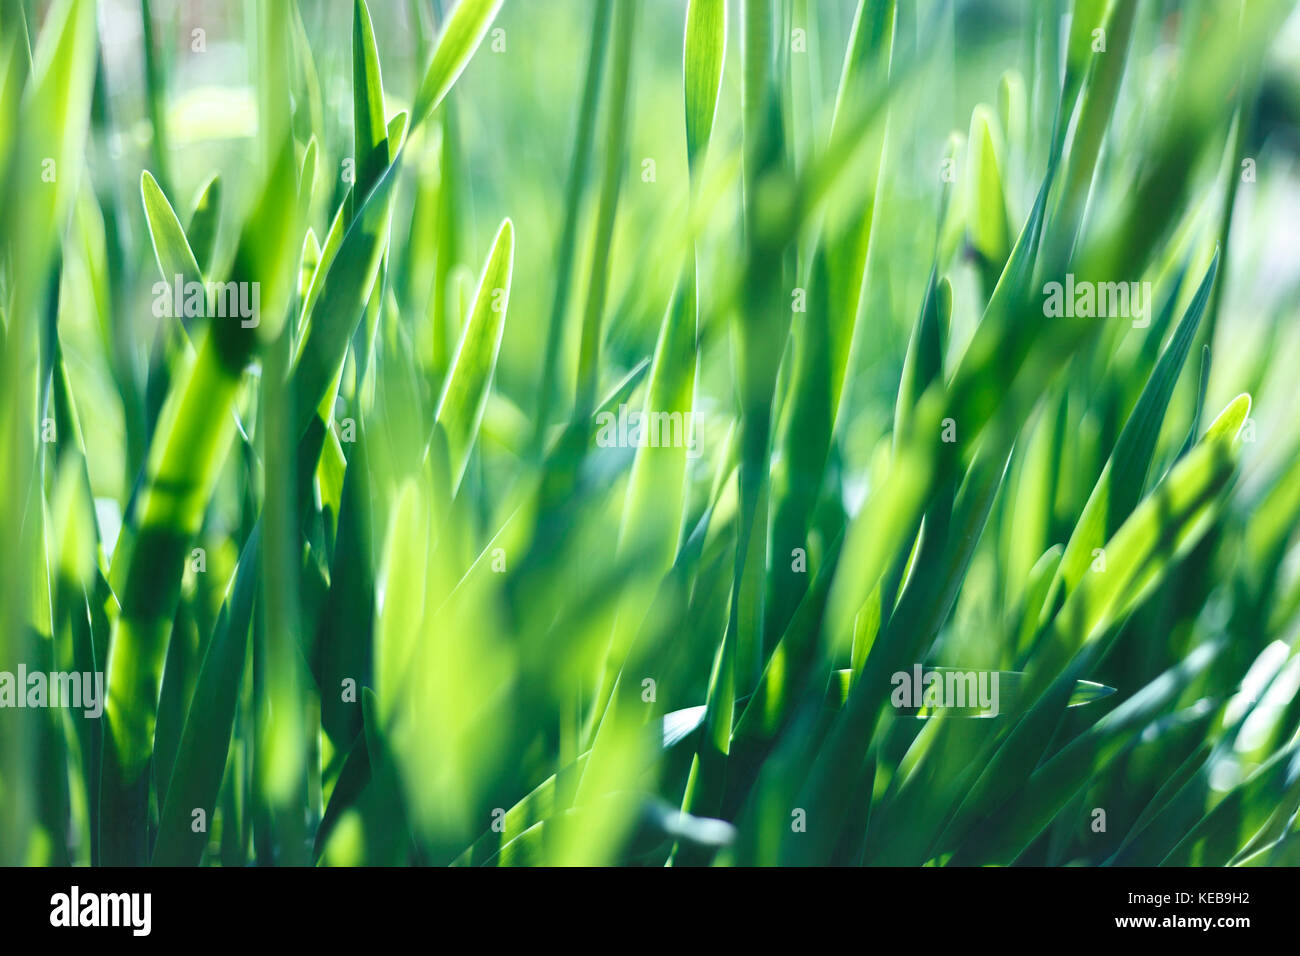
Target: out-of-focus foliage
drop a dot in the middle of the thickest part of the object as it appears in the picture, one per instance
(591, 410)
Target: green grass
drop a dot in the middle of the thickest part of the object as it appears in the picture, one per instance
(367, 579)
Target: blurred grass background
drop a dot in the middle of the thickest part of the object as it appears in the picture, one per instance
(445, 532)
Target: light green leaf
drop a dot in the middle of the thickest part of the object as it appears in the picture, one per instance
(461, 36)
(460, 410)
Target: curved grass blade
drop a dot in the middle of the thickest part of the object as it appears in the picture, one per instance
(460, 410)
(704, 54)
(171, 247)
(344, 291)
(1120, 486)
(990, 235)
(205, 216)
(461, 36)
(205, 742)
(573, 192)
(369, 127)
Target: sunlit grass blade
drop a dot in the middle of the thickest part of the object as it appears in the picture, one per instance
(460, 37)
(201, 758)
(460, 410)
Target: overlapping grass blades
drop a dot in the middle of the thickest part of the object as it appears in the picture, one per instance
(393, 579)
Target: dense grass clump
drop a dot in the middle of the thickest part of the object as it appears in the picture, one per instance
(662, 433)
